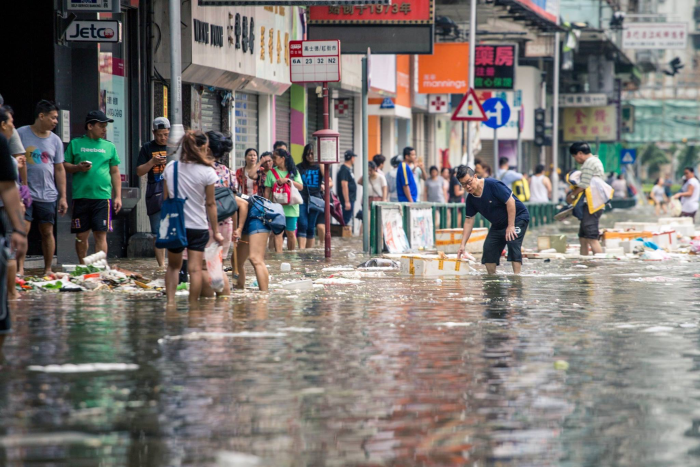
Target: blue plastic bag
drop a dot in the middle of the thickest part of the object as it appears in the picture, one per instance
(172, 234)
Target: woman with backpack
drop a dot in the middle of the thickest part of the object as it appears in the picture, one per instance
(194, 182)
(278, 187)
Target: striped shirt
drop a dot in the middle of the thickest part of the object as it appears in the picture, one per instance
(591, 168)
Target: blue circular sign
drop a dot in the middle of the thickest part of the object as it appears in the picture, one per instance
(497, 111)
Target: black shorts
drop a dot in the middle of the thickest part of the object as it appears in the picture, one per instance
(43, 213)
(496, 241)
(196, 240)
(91, 214)
(589, 224)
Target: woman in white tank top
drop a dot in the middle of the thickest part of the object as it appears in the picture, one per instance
(540, 186)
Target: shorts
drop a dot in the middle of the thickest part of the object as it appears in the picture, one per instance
(253, 224)
(307, 222)
(589, 224)
(196, 240)
(42, 212)
(154, 219)
(91, 214)
(496, 241)
(8, 230)
(291, 223)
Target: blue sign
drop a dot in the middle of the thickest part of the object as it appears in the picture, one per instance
(387, 103)
(498, 112)
(628, 156)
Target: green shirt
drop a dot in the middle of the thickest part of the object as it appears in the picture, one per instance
(96, 183)
(270, 180)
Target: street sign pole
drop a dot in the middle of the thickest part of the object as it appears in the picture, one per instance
(495, 152)
(472, 45)
(327, 174)
(519, 160)
(366, 216)
(555, 122)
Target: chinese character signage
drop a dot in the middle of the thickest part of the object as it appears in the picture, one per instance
(399, 12)
(583, 100)
(90, 5)
(269, 3)
(589, 123)
(446, 71)
(494, 67)
(659, 36)
(315, 61)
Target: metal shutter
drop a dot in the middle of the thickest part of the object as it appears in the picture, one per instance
(346, 128)
(211, 110)
(246, 125)
(315, 115)
(282, 117)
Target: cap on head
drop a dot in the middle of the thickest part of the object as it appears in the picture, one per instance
(349, 155)
(161, 123)
(97, 116)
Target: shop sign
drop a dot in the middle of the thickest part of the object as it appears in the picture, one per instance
(342, 107)
(399, 12)
(446, 71)
(281, 2)
(583, 100)
(543, 46)
(590, 123)
(91, 5)
(94, 31)
(659, 36)
(547, 9)
(315, 61)
(494, 67)
(206, 33)
(439, 103)
(113, 102)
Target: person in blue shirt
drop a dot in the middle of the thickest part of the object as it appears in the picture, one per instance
(508, 216)
(506, 174)
(406, 188)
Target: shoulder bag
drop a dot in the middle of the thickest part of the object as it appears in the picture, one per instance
(226, 205)
(272, 214)
(172, 234)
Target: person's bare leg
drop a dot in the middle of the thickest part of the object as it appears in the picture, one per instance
(657, 209)
(242, 252)
(160, 257)
(20, 257)
(172, 276)
(517, 267)
(595, 246)
(309, 242)
(584, 246)
(81, 245)
(490, 268)
(194, 267)
(302, 243)
(291, 240)
(321, 234)
(48, 245)
(257, 259)
(11, 277)
(100, 241)
(279, 243)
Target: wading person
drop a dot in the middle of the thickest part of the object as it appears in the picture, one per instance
(94, 163)
(252, 244)
(347, 187)
(690, 194)
(540, 186)
(591, 166)
(249, 176)
(406, 188)
(508, 216)
(196, 178)
(658, 195)
(312, 177)
(283, 173)
(151, 162)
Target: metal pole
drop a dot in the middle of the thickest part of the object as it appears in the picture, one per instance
(327, 174)
(472, 45)
(496, 167)
(177, 131)
(366, 218)
(555, 122)
(519, 148)
(543, 105)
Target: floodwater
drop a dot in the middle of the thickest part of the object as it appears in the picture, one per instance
(563, 366)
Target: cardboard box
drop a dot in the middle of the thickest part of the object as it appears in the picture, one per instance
(341, 231)
(448, 240)
(548, 242)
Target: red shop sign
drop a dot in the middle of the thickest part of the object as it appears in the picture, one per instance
(400, 12)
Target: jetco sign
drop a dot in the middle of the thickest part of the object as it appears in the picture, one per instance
(94, 31)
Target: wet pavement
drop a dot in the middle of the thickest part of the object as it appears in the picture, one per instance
(565, 366)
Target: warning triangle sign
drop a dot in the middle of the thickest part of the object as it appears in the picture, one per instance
(469, 109)
(627, 158)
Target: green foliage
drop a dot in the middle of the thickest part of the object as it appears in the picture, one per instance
(653, 158)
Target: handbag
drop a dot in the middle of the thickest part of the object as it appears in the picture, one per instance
(172, 234)
(337, 209)
(272, 214)
(281, 194)
(317, 204)
(154, 197)
(226, 205)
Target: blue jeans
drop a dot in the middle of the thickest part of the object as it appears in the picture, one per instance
(307, 222)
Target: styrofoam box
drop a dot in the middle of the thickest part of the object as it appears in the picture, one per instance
(614, 251)
(687, 230)
(675, 221)
(432, 265)
(637, 226)
(628, 246)
(448, 240)
(666, 240)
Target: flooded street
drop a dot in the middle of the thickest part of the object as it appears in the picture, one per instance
(572, 364)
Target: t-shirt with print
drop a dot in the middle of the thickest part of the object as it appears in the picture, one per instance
(404, 177)
(270, 180)
(96, 183)
(492, 204)
(149, 151)
(345, 174)
(192, 182)
(41, 154)
(312, 177)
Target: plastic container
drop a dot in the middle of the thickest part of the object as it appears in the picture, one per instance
(285, 267)
(448, 240)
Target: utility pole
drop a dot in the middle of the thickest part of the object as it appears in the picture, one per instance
(366, 215)
(472, 48)
(177, 131)
(327, 174)
(555, 122)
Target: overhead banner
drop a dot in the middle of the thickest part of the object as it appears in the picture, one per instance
(589, 123)
(658, 36)
(547, 9)
(282, 2)
(446, 71)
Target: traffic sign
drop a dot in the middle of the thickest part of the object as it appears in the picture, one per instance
(314, 61)
(438, 103)
(497, 112)
(469, 109)
(628, 156)
(387, 103)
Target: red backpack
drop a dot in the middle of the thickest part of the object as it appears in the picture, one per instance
(281, 194)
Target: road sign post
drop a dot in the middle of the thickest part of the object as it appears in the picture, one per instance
(498, 114)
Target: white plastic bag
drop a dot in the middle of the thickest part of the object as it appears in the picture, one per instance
(676, 208)
(296, 196)
(215, 266)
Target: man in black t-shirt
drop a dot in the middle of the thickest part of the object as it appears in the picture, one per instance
(18, 240)
(152, 159)
(347, 187)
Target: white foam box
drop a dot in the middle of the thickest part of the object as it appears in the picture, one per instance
(615, 251)
(628, 246)
(637, 226)
(667, 240)
(686, 230)
(675, 221)
(448, 240)
(432, 265)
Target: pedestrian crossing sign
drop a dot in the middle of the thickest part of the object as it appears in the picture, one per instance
(469, 109)
(628, 156)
